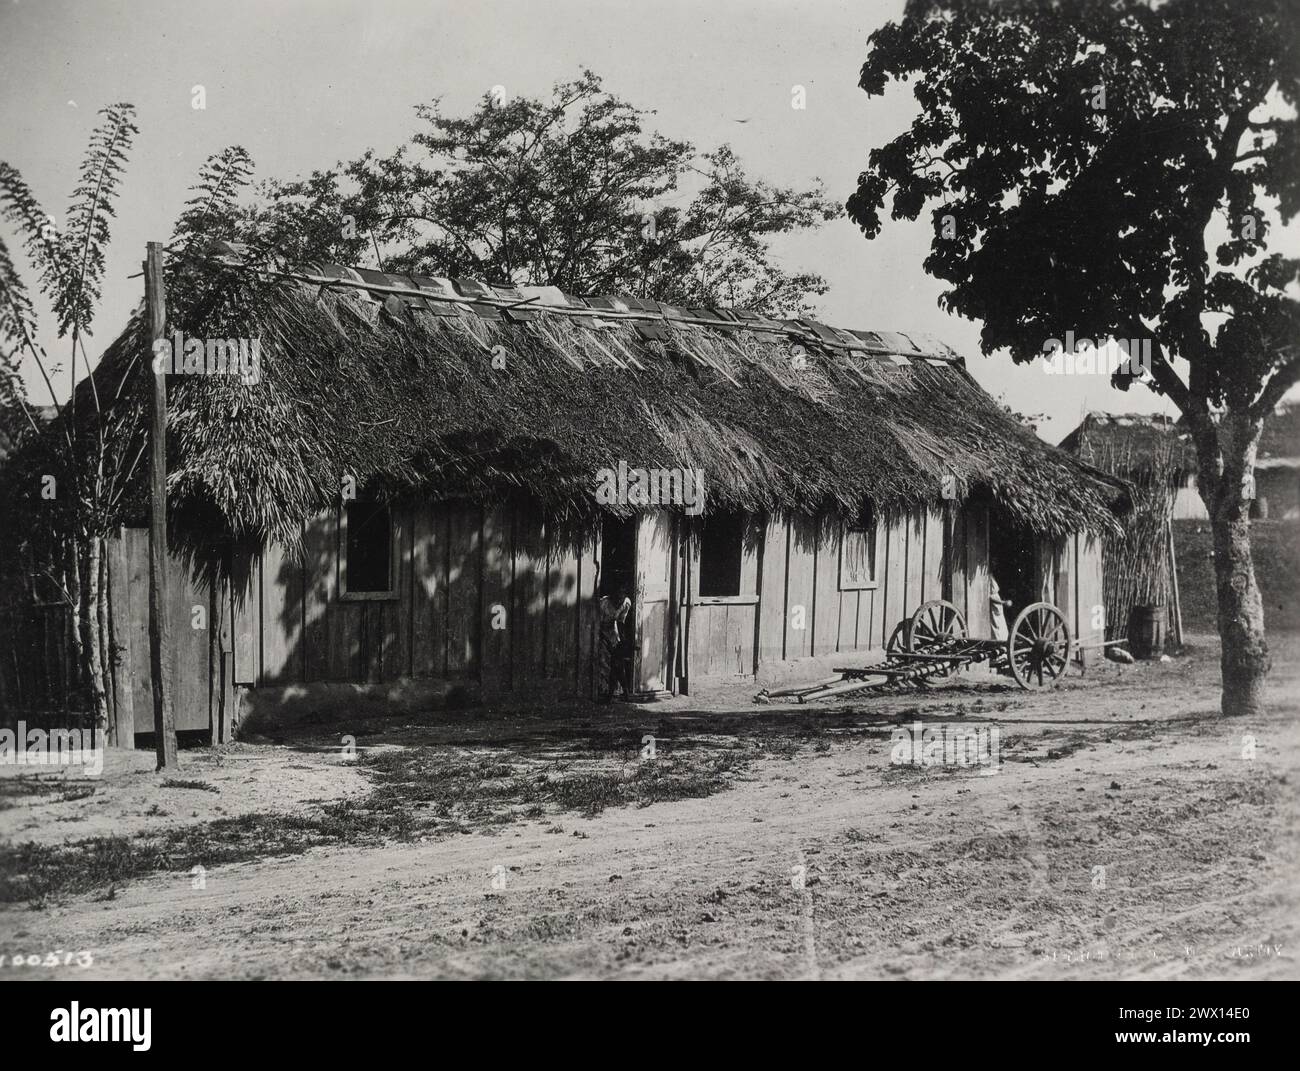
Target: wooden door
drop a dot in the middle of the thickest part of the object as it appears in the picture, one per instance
(655, 601)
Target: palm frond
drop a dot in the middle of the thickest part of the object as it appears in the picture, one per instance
(85, 241)
(40, 236)
(209, 215)
(17, 315)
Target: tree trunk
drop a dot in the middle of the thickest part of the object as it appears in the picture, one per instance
(76, 683)
(95, 623)
(1226, 459)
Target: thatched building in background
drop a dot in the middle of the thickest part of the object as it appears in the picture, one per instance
(1156, 459)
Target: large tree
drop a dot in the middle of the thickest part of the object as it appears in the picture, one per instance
(1111, 167)
(570, 191)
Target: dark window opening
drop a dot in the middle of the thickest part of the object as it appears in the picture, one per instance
(369, 549)
(722, 538)
(617, 556)
(858, 550)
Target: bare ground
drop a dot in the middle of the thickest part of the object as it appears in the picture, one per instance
(1127, 833)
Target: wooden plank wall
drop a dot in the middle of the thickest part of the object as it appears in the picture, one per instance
(800, 587)
(455, 565)
(190, 668)
(924, 554)
(280, 621)
(458, 563)
(1089, 592)
(802, 570)
(978, 588)
(773, 581)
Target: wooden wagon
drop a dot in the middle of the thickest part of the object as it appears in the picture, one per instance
(934, 642)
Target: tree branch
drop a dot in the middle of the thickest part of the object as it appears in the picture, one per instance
(1278, 384)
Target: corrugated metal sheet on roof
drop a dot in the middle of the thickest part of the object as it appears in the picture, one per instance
(605, 302)
(472, 288)
(522, 312)
(550, 296)
(636, 304)
(897, 342)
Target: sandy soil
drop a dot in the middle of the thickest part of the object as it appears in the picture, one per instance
(1128, 832)
(246, 779)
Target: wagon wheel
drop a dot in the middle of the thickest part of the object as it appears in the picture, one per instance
(1038, 648)
(897, 639)
(934, 625)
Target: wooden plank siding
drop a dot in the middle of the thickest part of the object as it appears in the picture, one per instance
(773, 584)
(921, 554)
(190, 665)
(527, 603)
(279, 620)
(563, 583)
(281, 609)
(429, 590)
(800, 592)
(978, 589)
(497, 628)
(825, 611)
(959, 593)
(1089, 592)
(933, 580)
(464, 590)
(588, 569)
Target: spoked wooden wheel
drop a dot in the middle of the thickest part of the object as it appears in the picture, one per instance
(1038, 648)
(897, 639)
(936, 624)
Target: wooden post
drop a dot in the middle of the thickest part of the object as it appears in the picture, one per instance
(1173, 582)
(164, 718)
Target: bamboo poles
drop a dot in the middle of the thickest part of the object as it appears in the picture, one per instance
(1138, 560)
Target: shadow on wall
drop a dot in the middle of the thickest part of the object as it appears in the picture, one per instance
(475, 596)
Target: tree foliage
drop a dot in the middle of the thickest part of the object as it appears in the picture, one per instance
(1076, 158)
(572, 191)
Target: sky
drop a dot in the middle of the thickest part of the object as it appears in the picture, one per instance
(303, 84)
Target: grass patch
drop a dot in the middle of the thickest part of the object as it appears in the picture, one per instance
(17, 790)
(199, 786)
(418, 792)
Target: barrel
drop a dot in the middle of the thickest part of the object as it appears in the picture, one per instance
(1146, 630)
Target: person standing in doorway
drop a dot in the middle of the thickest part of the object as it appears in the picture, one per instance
(997, 610)
(613, 648)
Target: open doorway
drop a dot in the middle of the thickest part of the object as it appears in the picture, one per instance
(1013, 560)
(637, 561)
(618, 557)
(616, 581)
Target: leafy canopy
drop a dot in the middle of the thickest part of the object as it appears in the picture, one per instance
(1083, 161)
(571, 191)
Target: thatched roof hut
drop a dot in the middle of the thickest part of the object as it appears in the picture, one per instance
(1134, 446)
(1156, 457)
(849, 477)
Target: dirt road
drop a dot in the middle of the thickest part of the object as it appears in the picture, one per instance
(1127, 831)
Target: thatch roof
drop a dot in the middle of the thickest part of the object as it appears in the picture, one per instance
(1139, 447)
(391, 379)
